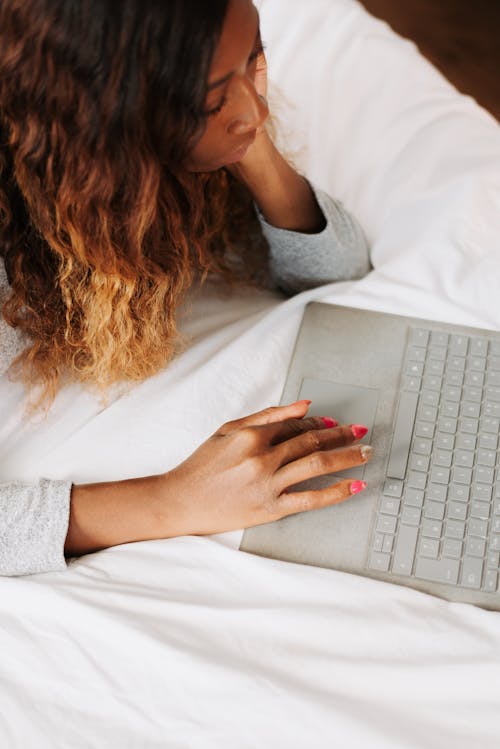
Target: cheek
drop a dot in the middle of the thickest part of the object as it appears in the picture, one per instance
(206, 150)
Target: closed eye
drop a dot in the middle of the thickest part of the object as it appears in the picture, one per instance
(220, 106)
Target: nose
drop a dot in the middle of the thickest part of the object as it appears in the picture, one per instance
(252, 110)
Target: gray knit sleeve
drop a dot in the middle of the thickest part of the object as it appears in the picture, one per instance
(302, 261)
(34, 520)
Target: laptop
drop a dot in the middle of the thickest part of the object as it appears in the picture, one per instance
(429, 393)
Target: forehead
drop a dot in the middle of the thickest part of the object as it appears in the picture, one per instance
(240, 28)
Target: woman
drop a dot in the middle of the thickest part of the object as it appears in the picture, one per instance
(134, 161)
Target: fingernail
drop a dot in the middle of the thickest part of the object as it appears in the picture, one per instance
(359, 431)
(366, 451)
(301, 402)
(328, 422)
(357, 486)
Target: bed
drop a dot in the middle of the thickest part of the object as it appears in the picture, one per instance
(189, 642)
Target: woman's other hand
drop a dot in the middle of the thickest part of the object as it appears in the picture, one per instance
(241, 475)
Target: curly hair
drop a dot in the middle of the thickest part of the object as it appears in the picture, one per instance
(101, 229)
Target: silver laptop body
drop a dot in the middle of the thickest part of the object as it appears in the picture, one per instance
(430, 394)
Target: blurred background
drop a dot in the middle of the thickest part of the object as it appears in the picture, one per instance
(460, 37)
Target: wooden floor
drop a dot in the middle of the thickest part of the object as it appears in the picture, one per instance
(460, 37)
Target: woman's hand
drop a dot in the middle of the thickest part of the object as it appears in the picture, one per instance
(241, 476)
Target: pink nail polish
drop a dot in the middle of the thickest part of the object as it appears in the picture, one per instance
(359, 431)
(357, 486)
(328, 422)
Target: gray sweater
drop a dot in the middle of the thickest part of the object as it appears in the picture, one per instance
(34, 517)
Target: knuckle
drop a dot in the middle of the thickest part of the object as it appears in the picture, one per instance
(317, 463)
(312, 441)
(249, 437)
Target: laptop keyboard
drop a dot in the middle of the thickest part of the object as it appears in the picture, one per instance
(438, 518)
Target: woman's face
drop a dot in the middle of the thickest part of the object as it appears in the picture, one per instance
(233, 107)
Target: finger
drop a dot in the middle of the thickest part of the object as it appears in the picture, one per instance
(267, 416)
(293, 502)
(311, 440)
(321, 463)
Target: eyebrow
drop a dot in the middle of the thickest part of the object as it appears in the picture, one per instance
(227, 77)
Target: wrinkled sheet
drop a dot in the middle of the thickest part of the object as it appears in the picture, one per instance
(189, 642)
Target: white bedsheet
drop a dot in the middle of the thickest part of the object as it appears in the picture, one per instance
(188, 642)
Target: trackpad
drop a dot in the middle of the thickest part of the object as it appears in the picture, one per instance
(348, 404)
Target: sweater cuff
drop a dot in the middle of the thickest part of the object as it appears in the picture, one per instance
(34, 521)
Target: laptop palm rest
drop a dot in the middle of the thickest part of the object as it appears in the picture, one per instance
(307, 537)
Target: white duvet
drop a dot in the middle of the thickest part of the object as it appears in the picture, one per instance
(188, 642)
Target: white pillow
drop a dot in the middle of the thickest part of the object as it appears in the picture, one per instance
(388, 135)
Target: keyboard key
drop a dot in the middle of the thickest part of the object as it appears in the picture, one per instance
(414, 368)
(493, 394)
(459, 345)
(378, 542)
(422, 446)
(430, 398)
(484, 474)
(454, 529)
(449, 426)
(494, 363)
(388, 542)
(464, 458)
(379, 561)
(466, 441)
(431, 528)
(470, 410)
(440, 475)
(437, 570)
(434, 510)
(457, 510)
(411, 383)
(490, 581)
(424, 429)
(432, 382)
(472, 570)
(488, 441)
(495, 542)
(478, 528)
(456, 363)
(486, 457)
(386, 524)
(436, 492)
(437, 352)
(493, 378)
(496, 525)
(482, 492)
(445, 441)
(454, 378)
(419, 337)
(458, 492)
(476, 364)
(434, 367)
(451, 393)
(410, 515)
(439, 338)
(475, 547)
(420, 463)
(389, 506)
(393, 488)
(496, 506)
(404, 551)
(479, 510)
(493, 560)
(429, 547)
(414, 497)
(452, 548)
(476, 379)
(416, 353)
(450, 408)
(470, 426)
(478, 347)
(490, 425)
(495, 348)
(490, 408)
(461, 475)
(474, 395)
(417, 480)
(427, 413)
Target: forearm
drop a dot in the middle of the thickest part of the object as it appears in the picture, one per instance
(284, 197)
(115, 512)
